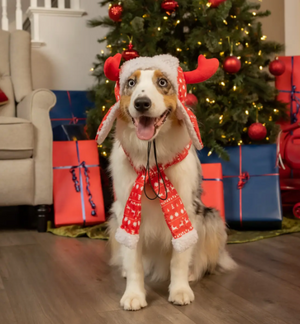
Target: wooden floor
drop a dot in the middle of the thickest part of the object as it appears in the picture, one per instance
(46, 279)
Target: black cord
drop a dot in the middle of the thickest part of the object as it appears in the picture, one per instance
(159, 175)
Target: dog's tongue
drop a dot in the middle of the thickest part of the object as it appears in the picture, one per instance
(145, 128)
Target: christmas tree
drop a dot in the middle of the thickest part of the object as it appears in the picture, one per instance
(237, 96)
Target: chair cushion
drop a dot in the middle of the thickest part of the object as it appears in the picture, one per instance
(16, 138)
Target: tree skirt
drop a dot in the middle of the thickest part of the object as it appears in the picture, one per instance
(234, 237)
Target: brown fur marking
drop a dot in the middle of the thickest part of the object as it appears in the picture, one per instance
(126, 96)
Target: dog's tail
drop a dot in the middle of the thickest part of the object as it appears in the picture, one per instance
(211, 254)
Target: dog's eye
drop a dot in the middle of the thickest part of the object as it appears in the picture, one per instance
(162, 82)
(131, 83)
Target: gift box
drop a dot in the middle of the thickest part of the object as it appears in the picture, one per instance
(70, 108)
(251, 186)
(69, 133)
(212, 186)
(78, 198)
(288, 85)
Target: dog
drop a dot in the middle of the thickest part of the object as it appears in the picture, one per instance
(147, 112)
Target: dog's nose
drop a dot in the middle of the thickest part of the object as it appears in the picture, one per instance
(142, 104)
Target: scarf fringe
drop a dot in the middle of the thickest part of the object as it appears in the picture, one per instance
(126, 239)
(185, 241)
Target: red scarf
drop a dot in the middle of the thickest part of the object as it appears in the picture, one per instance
(174, 211)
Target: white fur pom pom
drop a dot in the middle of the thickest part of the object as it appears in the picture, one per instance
(126, 239)
(185, 241)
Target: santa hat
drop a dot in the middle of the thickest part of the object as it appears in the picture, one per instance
(169, 65)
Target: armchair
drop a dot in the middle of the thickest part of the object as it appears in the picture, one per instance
(25, 130)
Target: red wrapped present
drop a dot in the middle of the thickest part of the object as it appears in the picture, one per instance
(288, 85)
(78, 198)
(213, 192)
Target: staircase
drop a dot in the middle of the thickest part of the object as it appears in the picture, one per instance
(25, 14)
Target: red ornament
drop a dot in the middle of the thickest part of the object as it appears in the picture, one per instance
(277, 67)
(190, 100)
(115, 12)
(257, 131)
(215, 3)
(169, 6)
(130, 53)
(232, 64)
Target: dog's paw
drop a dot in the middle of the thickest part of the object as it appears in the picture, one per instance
(181, 296)
(133, 301)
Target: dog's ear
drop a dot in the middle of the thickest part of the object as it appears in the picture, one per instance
(206, 69)
(111, 67)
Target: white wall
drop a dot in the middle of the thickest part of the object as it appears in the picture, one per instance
(292, 27)
(70, 48)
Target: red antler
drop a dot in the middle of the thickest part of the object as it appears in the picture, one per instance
(111, 67)
(206, 69)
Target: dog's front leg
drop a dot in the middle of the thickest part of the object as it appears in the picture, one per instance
(180, 290)
(134, 297)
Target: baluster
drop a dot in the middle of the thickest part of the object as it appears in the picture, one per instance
(19, 15)
(75, 4)
(61, 4)
(4, 15)
(33, 3)
(48, 4)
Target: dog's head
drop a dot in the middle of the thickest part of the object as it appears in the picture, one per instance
(147, 100)
(150, 93)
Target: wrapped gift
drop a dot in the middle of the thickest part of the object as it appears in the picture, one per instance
(78, 198)
(212, 185)
(70, 108)
(70, 132)
(251, 186)
(288, 85)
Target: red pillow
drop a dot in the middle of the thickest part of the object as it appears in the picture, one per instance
(3, 98)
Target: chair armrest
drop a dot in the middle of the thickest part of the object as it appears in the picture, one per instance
(35, 107)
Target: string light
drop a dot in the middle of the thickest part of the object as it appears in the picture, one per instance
(178, 22)
(239, 57)
(209, 153)
(223, 136)
(249, 24)
(208, 4)
(107, 81)
(103, 108)
(242, 29)
(264, 124)
(225, 22)
(246, 112)
(246, 32)
(254, 13)
(223, 83)
(234, 87)
(275, 111)
(247, 45)
(237, 44)
(220, 43)
(222, 53)
(165, 17)
(178, 49)
(158, 28)
(99, 145)
(270, 118)
(245, 129)
(145, 16)
(207, 99)
(104, 153)
(264, 37)
(108, 46)
(199, 43)
(102, 52)
(259, 53)
(261, 67)
(91, 69)
(267, 138)
(240, 142)
(221, 117)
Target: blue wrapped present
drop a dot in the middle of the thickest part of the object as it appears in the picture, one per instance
(70, 108)
(69, 133)
(251, 186)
